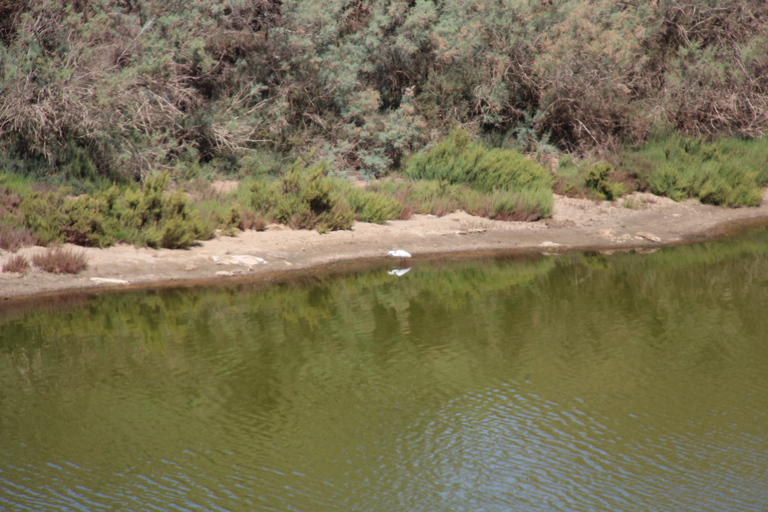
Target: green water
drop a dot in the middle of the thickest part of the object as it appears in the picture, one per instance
(576, 382)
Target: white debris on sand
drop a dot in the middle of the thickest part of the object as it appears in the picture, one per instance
(246, 260)
(109, 280)
(648, 236)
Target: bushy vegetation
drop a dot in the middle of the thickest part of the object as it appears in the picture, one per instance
(726, 172)
(108, 102)
(303, 198)
(508, 175)
(107, 89)
(145, 216)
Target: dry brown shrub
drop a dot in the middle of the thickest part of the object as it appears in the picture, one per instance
(252, 220)
(60, 261)
(16, 264)
(13, 239)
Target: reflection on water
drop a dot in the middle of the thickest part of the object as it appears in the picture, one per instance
(580, 382)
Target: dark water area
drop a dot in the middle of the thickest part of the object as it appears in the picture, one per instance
(572, 382)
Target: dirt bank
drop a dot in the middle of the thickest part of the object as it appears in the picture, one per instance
(640, 221)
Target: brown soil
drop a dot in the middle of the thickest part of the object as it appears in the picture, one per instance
(639, 222)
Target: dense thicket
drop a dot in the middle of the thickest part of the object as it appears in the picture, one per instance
(116, 88)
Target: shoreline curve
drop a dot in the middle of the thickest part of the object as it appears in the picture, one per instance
(639, 222)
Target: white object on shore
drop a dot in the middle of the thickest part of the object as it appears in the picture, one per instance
(109, 280)
(239, 259)
(399, 253)
(649, 236)
(399, 271)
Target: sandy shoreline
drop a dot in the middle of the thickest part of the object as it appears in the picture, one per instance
(639, 222)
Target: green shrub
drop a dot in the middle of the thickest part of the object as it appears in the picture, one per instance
(264, 196)
(160, 220)
(304, 198)
(597, 179)
(44, 215)
(87, 222)
(725, 172)
(177, 234)
(339, 217)
(458, 159)
(373, 207)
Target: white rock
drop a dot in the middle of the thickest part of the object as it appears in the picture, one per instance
(246, 260)
(648, 236)
(108, 280)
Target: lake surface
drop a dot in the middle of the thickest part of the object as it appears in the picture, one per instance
(575, 382)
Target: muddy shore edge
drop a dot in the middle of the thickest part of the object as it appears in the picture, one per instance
(639, 222)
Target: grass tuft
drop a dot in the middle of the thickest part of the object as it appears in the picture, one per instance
(16, 264)
(13, 239)
(60, 261)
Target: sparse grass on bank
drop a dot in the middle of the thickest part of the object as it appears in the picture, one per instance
(17, 264)
(60, 261)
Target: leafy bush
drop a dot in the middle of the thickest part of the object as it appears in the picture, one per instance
(303, 198)
(16, 264)
(597, 179)
(723, 172)
(157, 219)
(88, 221)
(44, 215)
(373, 207)
(60, 261)
(459, 160)
(144, 217)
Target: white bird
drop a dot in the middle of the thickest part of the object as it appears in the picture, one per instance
(399, 253)
(399, 272)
